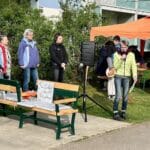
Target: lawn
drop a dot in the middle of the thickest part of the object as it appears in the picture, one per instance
(138, 104)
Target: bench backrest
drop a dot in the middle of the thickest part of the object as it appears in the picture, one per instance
(65, 89)
(11, 86)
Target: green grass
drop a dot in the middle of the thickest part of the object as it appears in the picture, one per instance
(138, 104)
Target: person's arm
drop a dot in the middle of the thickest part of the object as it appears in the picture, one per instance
(134, 68)
(53, 55)
(38, 57)
(20, 55)
(117, 61)
(109, 62)
(1, 59)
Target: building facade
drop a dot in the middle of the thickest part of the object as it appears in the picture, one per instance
(114, 11)
(53, 14)
(122, 11)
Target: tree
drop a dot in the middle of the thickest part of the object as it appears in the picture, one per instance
(14, 19)
(77, 19)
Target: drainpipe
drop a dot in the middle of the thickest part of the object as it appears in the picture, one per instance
(136, 9)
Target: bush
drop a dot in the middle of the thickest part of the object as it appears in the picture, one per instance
(75, 26)
(14, 20)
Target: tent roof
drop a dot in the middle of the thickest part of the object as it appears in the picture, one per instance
(136, 29)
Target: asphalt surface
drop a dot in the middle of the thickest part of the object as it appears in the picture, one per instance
(135, 137)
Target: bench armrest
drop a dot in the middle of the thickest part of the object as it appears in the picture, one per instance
(63, 101)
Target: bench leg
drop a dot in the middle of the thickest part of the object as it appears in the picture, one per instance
(4, 109)
(58, 130)
(35, 118)
(21, 119)
(72, 124)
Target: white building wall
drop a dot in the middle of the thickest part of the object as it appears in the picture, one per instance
(52, 13)
(35, 3)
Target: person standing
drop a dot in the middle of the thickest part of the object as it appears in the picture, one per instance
(5, 58)
(125, 65)
(59, 58)
(116, 40)
(111, 49)
(28, 59)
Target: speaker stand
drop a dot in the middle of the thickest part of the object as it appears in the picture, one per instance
(84, 95)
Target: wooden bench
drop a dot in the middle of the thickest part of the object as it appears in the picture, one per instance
(13, 97)
(56, 108)
(10, 95)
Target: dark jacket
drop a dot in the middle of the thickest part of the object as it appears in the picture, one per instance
(138, 57)
(105, 52)
(58, 54)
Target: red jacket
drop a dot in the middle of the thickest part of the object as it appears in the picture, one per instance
(4, 58)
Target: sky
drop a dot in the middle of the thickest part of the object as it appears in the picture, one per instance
(49, 3)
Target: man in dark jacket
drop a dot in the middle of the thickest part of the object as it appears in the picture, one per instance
(59, 58)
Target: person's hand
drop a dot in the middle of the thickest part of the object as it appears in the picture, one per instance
(6, 76)
(1, 69)
(22, 67)
(138, 64)
(63, 65)
(135, 79)
(111, 71)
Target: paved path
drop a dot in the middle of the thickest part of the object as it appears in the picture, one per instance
(135, 137)
(42, 137)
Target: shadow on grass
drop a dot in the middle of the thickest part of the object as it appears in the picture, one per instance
(103, 108)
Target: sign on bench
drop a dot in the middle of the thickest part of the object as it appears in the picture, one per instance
(44, 98)
(45, 91)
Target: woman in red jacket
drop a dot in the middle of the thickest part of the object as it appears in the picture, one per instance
(5, 58)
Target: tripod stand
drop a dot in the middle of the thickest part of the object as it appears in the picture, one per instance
(84, 95)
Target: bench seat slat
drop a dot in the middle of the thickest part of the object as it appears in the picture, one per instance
(44, 111)
(8, 102)
(61, 112)
(42, 105)
(63, 101)
(67, 112)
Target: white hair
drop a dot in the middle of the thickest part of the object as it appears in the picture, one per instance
(27, 31)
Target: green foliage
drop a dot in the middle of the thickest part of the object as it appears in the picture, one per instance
(14, 20)
(77, 19)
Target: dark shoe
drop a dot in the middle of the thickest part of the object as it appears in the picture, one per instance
(117, 117)
(123, 115)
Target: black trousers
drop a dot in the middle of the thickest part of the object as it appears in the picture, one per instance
(58, 74)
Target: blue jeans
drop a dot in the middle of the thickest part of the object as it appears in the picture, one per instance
(1, 76)
(27, 73)
(122, 89)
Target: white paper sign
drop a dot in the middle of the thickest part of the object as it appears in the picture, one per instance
(45, 91)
